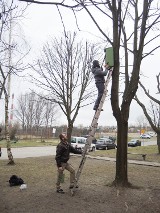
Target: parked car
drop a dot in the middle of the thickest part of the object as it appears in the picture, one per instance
(105, 143)
(152, 134)
(145, 136)
(109, 137)
(79, 143)
(112, 138)
(134, 142)
(93, 141)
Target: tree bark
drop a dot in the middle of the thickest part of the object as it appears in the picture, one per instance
(158, 142)
(10, 156)
(69, 130)
(121, 177)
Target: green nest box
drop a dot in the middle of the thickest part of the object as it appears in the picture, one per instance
(109, 56)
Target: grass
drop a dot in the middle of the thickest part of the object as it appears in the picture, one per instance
(150, 151)
(94, 194)
(31, 143)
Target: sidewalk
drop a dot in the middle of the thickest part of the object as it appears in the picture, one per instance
(26, 152)
(145, 163)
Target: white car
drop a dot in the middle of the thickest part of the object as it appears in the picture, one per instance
(151, 134)
(145, 136)
(79, 143)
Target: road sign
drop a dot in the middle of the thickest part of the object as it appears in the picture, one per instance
(142, 131)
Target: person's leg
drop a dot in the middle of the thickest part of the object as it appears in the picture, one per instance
(100, 87)
(59, 178)
(70, 168)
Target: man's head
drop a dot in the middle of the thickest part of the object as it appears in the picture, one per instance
(62, 137)
(96, 63)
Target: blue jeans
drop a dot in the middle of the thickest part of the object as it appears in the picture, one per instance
(100, 87)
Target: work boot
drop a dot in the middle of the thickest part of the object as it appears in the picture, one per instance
(71, 187)
(60, 191)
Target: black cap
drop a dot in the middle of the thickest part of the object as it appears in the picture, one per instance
(95, 63)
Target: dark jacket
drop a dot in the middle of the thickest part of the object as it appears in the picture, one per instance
(63, 152)
(99, 74)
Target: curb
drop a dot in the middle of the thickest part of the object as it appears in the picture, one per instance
(144, 163)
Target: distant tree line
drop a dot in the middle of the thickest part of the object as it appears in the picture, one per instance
(35, 114)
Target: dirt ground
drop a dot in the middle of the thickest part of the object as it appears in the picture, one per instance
(94, 195)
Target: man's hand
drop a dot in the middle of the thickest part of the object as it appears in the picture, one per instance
(60, 168)
(106, 65)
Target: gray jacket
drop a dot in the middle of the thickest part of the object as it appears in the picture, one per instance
(99, 74)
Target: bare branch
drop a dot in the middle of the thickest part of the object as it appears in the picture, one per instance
(158, 82)
(147, 93)
(52, 3)
(156, 129)
(93, 19)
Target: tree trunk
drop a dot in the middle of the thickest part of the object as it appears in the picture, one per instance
(10, 156)
(69, 130)
(158, 142)
(121, 158)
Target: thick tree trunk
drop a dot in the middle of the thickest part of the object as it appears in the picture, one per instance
(158, 142)
(69, 131)
(121, 177)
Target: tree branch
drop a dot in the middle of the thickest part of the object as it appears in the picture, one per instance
(52, 3)
(148, 95)
(158, 82)
(146, 114)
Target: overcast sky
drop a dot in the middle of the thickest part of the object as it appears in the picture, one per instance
(43, 22)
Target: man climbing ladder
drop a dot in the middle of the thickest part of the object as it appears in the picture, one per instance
(99, 80)
(92, 132)
(109, 61)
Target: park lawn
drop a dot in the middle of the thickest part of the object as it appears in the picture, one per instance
(95, 192)
(31, 143)
(150, 151)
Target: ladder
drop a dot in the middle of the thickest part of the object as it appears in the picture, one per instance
(92, 131)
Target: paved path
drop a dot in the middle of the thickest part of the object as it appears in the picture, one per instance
(26, 152)
(144, 142)
(146, 163)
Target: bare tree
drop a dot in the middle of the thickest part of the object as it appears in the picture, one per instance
(132, 25)
(7, 136)
(39, 105)
(65, 72)
(142, 121)
(33, 112)
(50, 115)
(8, 15)
(152, 114)
(20, 112)
(11, 55)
